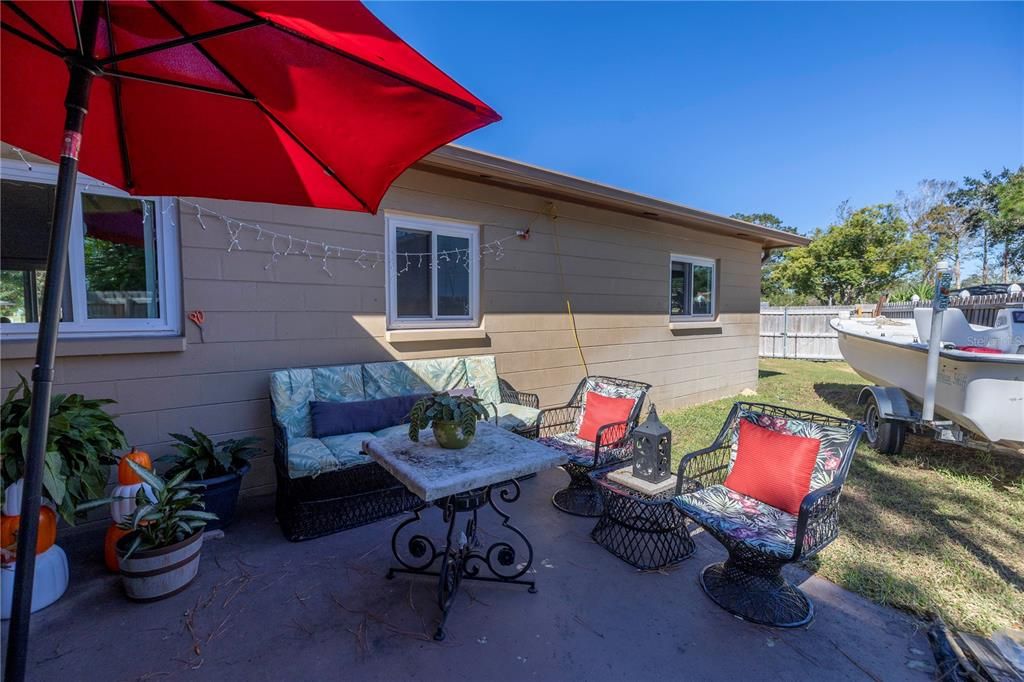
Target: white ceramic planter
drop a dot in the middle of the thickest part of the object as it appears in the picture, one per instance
(51, 579)
(159, 573)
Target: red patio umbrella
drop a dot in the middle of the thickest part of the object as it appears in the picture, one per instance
(308, 103)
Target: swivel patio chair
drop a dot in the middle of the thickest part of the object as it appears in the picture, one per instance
(761, 538)
(559, 427)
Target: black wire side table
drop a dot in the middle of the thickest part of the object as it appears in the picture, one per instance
(644, 530)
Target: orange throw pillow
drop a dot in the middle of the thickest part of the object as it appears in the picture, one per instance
(601, 410)
(773, 467)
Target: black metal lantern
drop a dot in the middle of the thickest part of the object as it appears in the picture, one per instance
(652, 449)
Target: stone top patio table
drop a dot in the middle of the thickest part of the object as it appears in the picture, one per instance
(462, 482)
(432, 472)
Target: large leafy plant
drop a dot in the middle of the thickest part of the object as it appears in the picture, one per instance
(79, 446)
(205, 459)
(172, 512)
(436, 407)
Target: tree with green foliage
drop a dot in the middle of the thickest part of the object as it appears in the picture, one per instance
(928, 211)
(994, 208)
(770, 290)
(1009, 223)
(870, 251)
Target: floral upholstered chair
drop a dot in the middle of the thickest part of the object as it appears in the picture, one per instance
(761, 538)
(560, 428)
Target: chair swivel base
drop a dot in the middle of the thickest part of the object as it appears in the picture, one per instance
(762, 597)
(579, 501)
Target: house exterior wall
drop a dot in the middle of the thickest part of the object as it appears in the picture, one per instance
(256, 320)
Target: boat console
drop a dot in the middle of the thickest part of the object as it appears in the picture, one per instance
(1007, 336)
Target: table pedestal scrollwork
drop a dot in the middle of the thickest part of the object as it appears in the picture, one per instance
(463, 556)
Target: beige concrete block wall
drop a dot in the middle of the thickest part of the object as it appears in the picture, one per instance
(615, 273)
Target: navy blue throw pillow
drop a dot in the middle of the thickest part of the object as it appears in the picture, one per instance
(336, 419)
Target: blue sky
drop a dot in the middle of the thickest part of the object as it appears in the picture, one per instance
(786, 108)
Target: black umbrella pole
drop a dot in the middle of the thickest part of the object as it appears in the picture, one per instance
(76, 104)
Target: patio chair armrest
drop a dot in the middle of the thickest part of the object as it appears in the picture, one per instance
(612, 435)
(705, 467)
(554, 420)
(510, 395)
(818, 522)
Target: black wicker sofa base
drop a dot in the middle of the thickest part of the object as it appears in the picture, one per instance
(315, 506)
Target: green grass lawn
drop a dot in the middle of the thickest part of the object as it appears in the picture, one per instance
(938, 528)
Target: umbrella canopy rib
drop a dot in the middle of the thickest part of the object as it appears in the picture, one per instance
(266, 112)
(115, 87)
(78, 28)
(35, 41)
(30, 20)
(186, 39)
(156, 80)
(355, 58)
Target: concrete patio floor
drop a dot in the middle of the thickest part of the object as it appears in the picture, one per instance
(263, 608)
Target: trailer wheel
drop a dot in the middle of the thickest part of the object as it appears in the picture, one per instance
(884, 435)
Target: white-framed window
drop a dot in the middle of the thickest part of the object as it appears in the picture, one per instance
(691, 290)
(433, 272)
(123, 271)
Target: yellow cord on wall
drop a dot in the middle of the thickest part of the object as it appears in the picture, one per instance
(565, 292)
(572, 320)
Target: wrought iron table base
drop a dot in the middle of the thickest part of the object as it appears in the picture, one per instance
(461, 558)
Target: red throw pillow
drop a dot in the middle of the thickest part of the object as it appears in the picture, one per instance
(773, 467)
(601, 410)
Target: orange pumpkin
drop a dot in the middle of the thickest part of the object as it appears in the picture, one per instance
(45, 539)
(110, 547)
(125, 474)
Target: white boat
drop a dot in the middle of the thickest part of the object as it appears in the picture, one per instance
(979, 385)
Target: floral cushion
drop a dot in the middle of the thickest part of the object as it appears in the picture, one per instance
(291, 390)
(512, 416)
(341, 384)
(482, 374)
(579, 451)
(313, 456)
(834, 441)
(397, 428)
(388, 379)
(610, 390)
(741, 518)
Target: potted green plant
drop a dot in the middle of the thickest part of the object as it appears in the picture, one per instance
(453, 418)
(159, 556)
(80, 447)
(218, 466)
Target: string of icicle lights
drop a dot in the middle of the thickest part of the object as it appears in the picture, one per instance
(322, 251)
(289, 245)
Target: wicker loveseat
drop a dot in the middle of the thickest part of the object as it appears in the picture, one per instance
(326, 485)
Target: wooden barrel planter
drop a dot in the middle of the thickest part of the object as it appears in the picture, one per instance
(159, 573)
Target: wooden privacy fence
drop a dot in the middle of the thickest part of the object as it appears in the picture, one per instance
(803, 332)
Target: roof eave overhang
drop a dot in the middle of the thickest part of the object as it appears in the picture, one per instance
(470, 164)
